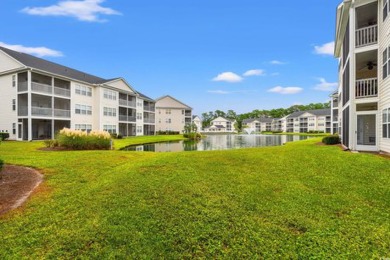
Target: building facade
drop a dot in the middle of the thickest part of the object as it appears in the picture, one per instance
(40, 97)
(362, 46)
(172, 114)
(257, 125)
(310, 120)
(221, 125)
(198, 122)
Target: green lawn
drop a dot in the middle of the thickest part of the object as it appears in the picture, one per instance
(299, 200)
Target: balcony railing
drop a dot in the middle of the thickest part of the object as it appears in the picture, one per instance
(41, 111)
(62, 92)
(126, 103)
(366, 88)
(41, 88)
(367, 36)
(125, 118)
(149, 108)
(61, 113)
(22, 86)
(149, 120)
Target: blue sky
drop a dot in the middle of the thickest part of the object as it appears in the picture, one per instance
(241, 55)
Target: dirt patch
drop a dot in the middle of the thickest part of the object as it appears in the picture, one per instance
(16, 185)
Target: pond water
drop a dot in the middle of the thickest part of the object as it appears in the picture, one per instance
(217, 142)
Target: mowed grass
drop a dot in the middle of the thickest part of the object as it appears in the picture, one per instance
(300, 200)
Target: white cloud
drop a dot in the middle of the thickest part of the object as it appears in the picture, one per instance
(256, 72)
(326, 86)
(86, 10)
(36, 51)
(325, 49)
(219, 92)
(228, 77)
(285, 90)
(277, 62)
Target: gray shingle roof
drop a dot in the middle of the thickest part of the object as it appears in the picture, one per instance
(316, 112)
(45, 65)
(261, 120)
(145, 97)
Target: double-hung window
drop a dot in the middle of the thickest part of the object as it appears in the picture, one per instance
(386, 123)
(83, 109)
(109, 111)
(385, 9)
(385, 62)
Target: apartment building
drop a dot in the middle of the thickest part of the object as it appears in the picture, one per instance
(257, 125)
(362, 43)
(172, 114)
(198, 122)
(279, 124)
(310, 120)
(221, 125)
(334, 105)
(39, 98)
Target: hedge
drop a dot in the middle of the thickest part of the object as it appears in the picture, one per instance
(3, 136)
(331, 139)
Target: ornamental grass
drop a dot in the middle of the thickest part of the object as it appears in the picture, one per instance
(81, 140)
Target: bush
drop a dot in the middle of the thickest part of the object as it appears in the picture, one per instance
(193, 136)
(50, 143)
(315, 132)
(81, 140)
(167, 132)
(3, 136)
(1, 164)
(331, 139)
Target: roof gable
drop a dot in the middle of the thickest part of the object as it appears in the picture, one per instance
(170, 102)
(120, 83)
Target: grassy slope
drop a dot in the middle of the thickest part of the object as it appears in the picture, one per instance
(299, 200)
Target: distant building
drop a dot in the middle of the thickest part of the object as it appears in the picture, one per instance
(310, 120)
(172, 114)
(221, 125)
(257, 125)
(198, 122)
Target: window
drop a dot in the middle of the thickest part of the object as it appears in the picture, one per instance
(13, 80)
(14, 128)
(139, 116)
(110, 128)
(386, 123)
(168, 111)
(139, 103)
(168, 120)
(83, 90)
(109, 111)
(109, 94)
(13, 104)
(385, 64)
(83, 109)
(139, 129)
(83, 127)
(385, 9)
(182, 112)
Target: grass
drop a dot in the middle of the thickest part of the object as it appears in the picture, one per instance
(294, 201)
(120, 143)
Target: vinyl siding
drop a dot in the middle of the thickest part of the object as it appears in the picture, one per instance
(7, 116)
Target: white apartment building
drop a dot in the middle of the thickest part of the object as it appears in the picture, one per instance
(334, 105)
(257, 125)
(172, 114)
(310, 120)
(39, 98)
(198, 122)
(221, 125)
(362, 46)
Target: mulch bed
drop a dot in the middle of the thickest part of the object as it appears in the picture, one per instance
(16, 185)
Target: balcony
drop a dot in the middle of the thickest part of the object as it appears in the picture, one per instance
(41, 88)
(61, 113)
(366, 88)
(366, 36)
(149, 120)
(125, 118)
(22, 86)
(41, 111)
(61, 92)
(149, 108)
(126, 103)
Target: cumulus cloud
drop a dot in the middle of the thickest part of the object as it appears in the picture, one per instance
(277, 62)
(36, 51)
(326, 86)
(285, 90)
(256, 72)
(86, 10)
(228, 77)
(325, 49)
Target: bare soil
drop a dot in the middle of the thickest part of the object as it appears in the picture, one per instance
(16, 185)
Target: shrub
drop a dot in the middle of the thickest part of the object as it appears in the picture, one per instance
(193, 136)
(50, 143)
(1, 164)
(167, 132)
(331, 139)
(3, 136)
(315, 132)
(81, 140)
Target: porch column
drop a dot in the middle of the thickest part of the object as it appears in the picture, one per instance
(29, 104)
(52, 128)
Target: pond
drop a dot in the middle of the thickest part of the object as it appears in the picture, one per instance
(217, 142)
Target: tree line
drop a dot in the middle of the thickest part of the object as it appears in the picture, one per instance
(207, 117)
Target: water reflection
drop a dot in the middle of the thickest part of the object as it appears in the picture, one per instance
(217, 142)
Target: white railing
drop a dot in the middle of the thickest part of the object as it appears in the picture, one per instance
(149, 108)
(62, 92)
(42, 88)
(22, 111)
(366, 88)
(41, 111)
(149, 120)
(22, 86)
(127, 118)
(61, 113)
(127, 103)
(366, 36)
